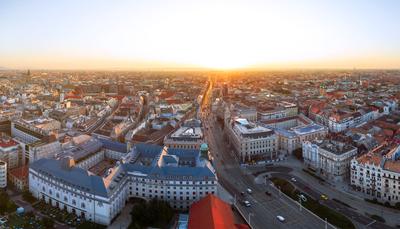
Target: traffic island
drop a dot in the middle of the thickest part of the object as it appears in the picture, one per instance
(333, 217)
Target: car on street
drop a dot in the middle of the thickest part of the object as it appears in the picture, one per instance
(280, 218)
(268, 193)
(293, 179)
(324, 197)
(247, 203)
(303, 197)
(249, 191)
(242, 193)
(3, 221)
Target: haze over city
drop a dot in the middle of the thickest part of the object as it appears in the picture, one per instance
(199, 34)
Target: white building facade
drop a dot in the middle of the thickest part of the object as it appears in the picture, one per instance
(377, 174)
(185, 137)
(251, 141)
(3, 174)
(330, 158)
(293, 138)
(177, 176)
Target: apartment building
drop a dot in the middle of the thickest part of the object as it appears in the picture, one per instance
(280, 110)
(11, 152)
(188, 136)
(252, 141)
(377, 173)
(3, 174)
(330, 158)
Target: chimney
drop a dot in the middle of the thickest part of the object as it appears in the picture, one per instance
(67, 163)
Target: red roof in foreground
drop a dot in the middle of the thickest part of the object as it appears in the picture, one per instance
(212, 213)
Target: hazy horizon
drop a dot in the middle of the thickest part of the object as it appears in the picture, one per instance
(261, 35)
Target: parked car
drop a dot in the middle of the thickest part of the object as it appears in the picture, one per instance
(249, 191)
(293, 179)
(246, 203)
(324, 197)
(3, 221)
(268, 193)
(280, 218)
(303, 197)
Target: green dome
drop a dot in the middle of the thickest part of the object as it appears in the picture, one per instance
(204, 147)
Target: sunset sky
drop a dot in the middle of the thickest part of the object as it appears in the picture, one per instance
(84, 34)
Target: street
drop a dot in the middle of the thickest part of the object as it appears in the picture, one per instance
(345, 210)
(264, 209)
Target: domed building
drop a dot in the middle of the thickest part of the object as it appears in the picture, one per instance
(204, 151)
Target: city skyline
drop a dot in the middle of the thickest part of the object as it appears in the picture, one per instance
(199, 35)
(214, 114)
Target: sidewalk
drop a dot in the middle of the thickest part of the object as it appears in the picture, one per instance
(124, 219)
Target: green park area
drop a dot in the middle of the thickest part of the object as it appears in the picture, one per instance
(154, 213)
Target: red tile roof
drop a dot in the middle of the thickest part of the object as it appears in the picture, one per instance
(212, 213)
(20, 172)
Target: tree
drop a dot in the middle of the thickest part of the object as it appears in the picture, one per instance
(155, 213)
(6, 205)
(3, 202)
(30, 214)
(28, 197)
(47, 222)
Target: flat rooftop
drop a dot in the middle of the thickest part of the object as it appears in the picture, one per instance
(308, 129)
(187, 133)
(334, 147)
(247, 127)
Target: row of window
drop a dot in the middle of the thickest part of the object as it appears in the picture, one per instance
(73, 201)
(388, 175)
(173, 182)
